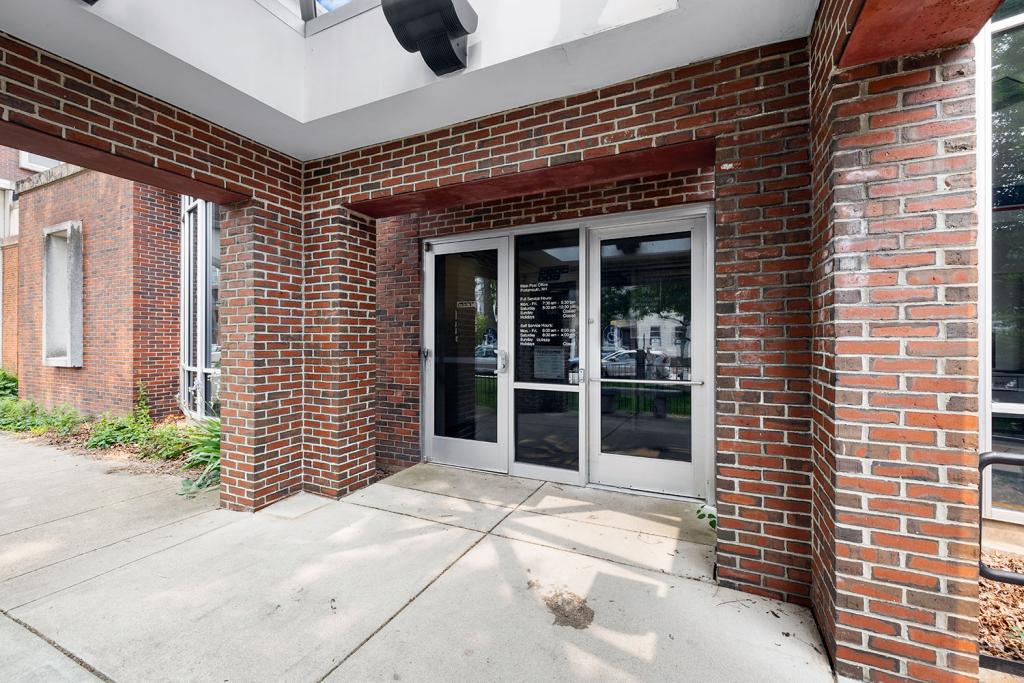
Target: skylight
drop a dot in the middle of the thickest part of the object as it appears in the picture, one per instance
(321, 7)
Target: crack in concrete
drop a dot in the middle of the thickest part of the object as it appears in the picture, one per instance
(59, 648)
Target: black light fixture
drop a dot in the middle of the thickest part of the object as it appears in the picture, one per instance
(90, 2)
(437, 29)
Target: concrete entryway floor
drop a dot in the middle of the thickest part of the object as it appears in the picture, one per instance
(434, 574)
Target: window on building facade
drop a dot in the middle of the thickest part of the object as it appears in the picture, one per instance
(1002, 94)
(200, 324)
(35, 162)
(62, 295)
(8, 211)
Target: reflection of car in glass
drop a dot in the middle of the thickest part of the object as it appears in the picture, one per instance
(623, 364)
(486, 360)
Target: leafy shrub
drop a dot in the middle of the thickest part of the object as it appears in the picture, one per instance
(204, 451)
(8, 385)
(710, 514)
(110, 431)
(20, 416)
(166, 442)
(63, 421)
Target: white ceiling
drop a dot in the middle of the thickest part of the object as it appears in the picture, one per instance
(242, 65)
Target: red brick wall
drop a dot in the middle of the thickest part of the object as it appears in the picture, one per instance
(103, 204)
(9, 168)
(9, 314)
(155, 302)
(896, 370)
(754, 104)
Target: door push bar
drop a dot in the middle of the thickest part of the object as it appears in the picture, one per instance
(987, 460)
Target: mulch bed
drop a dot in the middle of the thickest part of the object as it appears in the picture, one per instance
(1002, 611)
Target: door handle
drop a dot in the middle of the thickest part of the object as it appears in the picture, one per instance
(502, 362)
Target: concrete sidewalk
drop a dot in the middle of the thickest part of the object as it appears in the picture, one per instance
(434, 574)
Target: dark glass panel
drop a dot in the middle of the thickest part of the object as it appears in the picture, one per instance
(548, 428)
(646, 421)
(465, 344)
(547, 306)
(1008, 9)
(1007, 480)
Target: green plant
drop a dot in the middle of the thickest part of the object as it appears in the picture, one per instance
(140, 411)
(63, 420)
(165, 442)
(111, 430)
(204, 452)
(710, 514)
(20, 416)
(8, 385)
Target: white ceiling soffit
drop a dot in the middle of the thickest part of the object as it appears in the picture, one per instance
(243, 65)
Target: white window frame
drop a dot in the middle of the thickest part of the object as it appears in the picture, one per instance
(986, 406)
(25, 163)
(204, 214)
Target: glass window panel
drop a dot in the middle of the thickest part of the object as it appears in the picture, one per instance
(213, 288)
(547, 306)
(547, 427)
(1008, 9)
(645, 307)
(324, 6)
(191, 392)
(465, 345)
(1007, 480)
(1008, 216)
(646, 421)
(213, 394)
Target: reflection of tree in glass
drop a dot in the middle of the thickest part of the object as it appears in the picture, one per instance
(666, 300)
(1008, 293)
(1008, 118)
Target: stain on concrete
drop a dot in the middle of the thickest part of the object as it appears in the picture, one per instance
(569, 609)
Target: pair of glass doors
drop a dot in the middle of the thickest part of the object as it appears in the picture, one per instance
(578, 353)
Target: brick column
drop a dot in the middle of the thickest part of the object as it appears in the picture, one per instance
(261, 355)
(896, 372)
(341, 346)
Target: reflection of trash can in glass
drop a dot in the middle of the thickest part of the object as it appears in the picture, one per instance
(660, 406)
(608, 397)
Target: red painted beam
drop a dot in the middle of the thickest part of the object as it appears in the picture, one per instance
(683, 156)
(894, 28)
(38, 142)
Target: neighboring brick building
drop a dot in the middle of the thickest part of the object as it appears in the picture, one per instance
(820, 356)
(130, 293)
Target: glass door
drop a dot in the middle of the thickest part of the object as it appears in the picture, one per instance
(649, 357)
(466, 342)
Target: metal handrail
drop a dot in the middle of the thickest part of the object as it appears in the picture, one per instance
(984, 461)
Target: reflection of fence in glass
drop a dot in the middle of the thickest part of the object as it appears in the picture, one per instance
(486, 392)
(632, 401)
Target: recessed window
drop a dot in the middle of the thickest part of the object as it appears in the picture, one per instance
(62, 295)
(36, 162)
